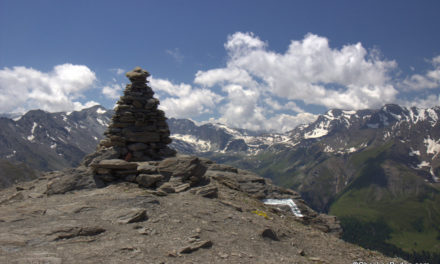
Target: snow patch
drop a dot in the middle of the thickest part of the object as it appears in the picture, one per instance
(328, 149)
(101, 111)
(351, 150)
(199, 144)
(432, 146)
(101, 122)
(31, 137)
(53, 146)
(423, 164)
(11, 155)
(414, 152)
(316, 133)
(288, 202)
(68, 129)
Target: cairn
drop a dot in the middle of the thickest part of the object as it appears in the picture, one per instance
(135, 148)
(138, 131)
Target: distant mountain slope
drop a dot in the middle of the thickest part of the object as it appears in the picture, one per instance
(376, 169)
(11, 173)
(52, 141)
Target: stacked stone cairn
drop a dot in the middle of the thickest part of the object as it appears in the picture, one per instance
(138, 131)
(135, 148)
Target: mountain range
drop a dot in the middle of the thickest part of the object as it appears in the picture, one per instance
(376, 169)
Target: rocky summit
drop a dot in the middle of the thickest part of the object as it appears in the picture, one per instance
(135, 200)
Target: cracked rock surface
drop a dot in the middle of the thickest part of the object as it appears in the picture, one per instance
(209, 220)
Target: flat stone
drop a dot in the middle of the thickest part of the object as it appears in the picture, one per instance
(72, 232)
(125, 215)
(193, 247)
(182, 187)
(103, 171)
(146, 168)
(116, 164)
(207, 191)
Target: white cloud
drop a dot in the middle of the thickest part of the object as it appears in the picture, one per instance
(284, 122)
(120, 71)
(241, 109)
(175, 54)
(182, 101)
(24, 88)
(430, 80)
(220, 76)
(241, 42)
(166, 86)
(77, 106)
(309, 71)
(112, 91)
(429, 101)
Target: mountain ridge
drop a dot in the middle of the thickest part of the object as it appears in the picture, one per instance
(134, 200)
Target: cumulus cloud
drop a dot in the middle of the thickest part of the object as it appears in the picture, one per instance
(112, 91)
(182, 101)
(23, 88)
(310, 71)
(429, 80)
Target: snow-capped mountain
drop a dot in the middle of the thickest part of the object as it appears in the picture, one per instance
(50, 141)
(338, 132)
(218, 138)
(341, 132)
(65, 138)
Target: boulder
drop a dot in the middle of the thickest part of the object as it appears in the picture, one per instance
(148, 180)
(183, 167)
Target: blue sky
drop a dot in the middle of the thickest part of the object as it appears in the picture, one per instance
(250, 64)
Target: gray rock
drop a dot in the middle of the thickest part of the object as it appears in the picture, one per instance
(208, 191)
(125, 215)
(101, 154)
(74, 179)
(148, 180)
(167, 187)
(181, 188)
(117, 164)
(183, 167)
(71, 232)
(222, 167)
(195, 246)
(146, 168)
(137, 146)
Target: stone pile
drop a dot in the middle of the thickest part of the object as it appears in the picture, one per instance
(138, 131)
